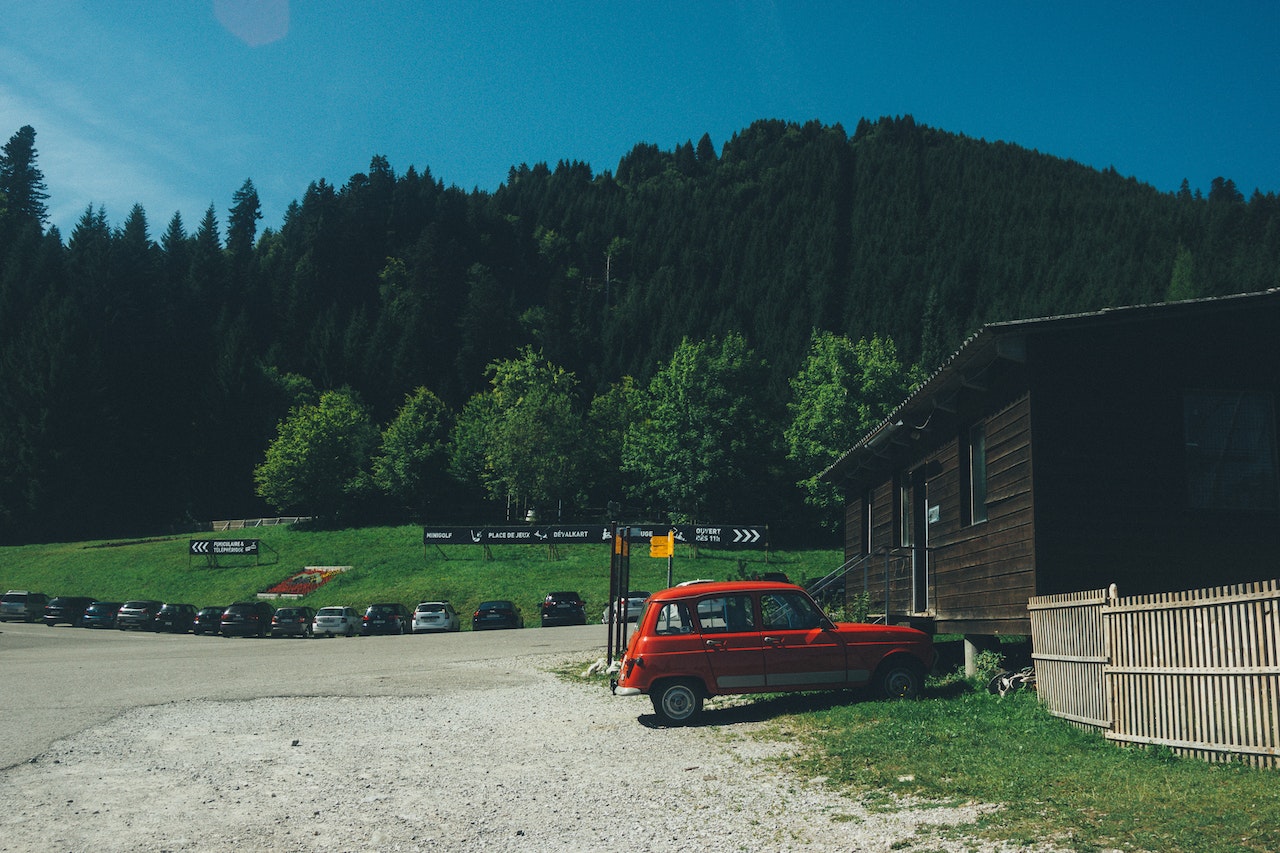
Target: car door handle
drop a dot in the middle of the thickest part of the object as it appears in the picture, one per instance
(715, 644)
(774, 641)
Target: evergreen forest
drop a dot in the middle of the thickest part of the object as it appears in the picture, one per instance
(693, 335)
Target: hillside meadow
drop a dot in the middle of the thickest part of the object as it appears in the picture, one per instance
(386, 564)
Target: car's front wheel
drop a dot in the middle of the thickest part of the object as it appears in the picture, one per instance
(899, 679)
(677, 703)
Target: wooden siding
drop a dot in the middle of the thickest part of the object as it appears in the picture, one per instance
(980, 575)
(985, 572)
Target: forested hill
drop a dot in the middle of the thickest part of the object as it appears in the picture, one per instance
(144, 365)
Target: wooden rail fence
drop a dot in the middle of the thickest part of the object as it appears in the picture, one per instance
(1196, 671)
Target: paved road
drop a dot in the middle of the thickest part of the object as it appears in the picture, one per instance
(58, 681)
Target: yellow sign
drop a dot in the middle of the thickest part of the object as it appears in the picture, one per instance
(663, 546)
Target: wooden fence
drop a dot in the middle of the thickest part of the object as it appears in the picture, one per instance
(1197, 671)
(243, 523)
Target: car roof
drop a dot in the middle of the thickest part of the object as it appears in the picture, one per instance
(721, 588)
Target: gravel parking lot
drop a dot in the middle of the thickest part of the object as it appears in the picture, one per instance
(127, 742)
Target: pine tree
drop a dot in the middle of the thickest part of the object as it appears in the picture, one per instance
(21, 182)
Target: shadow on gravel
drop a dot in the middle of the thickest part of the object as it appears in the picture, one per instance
(741, 709)
(761, 710)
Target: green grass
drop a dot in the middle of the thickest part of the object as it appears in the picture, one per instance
(1056, 783)
(388, 564)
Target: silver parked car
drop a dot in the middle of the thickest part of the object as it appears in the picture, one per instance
(331, 621)
(634, 603)
(435, 616)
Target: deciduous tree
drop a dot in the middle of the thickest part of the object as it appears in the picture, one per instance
(319, 460)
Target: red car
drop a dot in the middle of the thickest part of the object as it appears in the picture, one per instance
(710, 639)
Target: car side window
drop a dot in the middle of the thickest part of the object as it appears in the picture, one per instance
(723, 614)
(673, 618)
(789, 610)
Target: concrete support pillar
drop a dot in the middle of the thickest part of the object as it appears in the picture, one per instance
(974, 643)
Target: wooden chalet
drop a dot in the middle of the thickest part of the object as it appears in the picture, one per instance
(1134, 446)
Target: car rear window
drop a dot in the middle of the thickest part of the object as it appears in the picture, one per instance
(673, 618)
(330, 611)
(430, 608)
(13, 598)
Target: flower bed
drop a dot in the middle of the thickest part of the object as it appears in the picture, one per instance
(304, 582)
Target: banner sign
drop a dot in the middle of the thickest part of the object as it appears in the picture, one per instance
(517, 534)
(718, 536)
(215, 547)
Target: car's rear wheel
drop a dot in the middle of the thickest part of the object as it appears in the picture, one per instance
(899, 679)
(677, 703)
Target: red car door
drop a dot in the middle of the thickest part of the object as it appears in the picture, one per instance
(799, 650)
(735, 654)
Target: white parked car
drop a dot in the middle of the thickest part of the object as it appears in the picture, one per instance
(635, 603)
(335, 620)
(434, 616)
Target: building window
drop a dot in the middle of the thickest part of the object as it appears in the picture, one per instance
(868, 521)
(1231, 450)
(906, 534)
(976, 493)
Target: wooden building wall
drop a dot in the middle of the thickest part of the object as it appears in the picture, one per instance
(981, 575)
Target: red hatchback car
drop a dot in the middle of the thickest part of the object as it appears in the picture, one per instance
(710, 639)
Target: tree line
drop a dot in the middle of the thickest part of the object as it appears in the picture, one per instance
(694, 334)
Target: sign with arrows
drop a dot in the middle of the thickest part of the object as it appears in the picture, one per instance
(715, 536)
(553, 534)
(216, 547)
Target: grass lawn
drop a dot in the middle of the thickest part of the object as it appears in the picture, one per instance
(388, 564)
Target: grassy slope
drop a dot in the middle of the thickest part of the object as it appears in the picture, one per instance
(388, 564)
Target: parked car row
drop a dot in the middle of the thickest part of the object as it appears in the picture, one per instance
(259, 618)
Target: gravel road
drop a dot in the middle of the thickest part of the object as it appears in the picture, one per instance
(125, 742)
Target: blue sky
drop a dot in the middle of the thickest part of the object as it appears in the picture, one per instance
(173, 104)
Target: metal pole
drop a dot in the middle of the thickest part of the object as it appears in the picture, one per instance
(613, 591)
(886, 586)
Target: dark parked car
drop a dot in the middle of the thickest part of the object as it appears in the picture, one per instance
(66, 608)
(23, 606)
(386, 619)
(208, 620)
(563, 608)
(139, 613)
(178, 618)
(497, 614)
(292, 622)
(247, 619)
(101, 614)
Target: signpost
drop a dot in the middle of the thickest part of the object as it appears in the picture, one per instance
(216, 547)
(212, 549)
